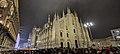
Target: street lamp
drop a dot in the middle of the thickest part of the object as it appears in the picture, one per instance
(88, 25)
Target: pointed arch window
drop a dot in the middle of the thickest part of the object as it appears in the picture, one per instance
(66, 28)
(74, 30)
(61, 34)
(67, 35)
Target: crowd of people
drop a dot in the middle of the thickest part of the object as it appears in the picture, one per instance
(104, 50)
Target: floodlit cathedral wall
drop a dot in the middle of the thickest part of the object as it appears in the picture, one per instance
(9, 18)
(63, 32)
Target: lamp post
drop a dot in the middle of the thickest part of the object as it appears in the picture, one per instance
(88, 25)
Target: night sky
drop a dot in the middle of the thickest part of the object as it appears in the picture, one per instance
(105, 14)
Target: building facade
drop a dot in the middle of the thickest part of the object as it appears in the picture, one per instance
(116, 36)
(104, 42)
(34, 36)
(9, 18)
(65, 31)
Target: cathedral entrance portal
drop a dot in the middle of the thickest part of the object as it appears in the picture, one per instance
(68, 44)
(61, 44)
(76, 44)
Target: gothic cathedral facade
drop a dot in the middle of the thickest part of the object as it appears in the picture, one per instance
(67, 31)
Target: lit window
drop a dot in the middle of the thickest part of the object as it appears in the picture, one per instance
(0, 15)
(1, 22)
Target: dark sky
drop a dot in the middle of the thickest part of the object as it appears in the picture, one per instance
(105, 14)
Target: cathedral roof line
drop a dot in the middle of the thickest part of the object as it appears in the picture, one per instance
(56, 17)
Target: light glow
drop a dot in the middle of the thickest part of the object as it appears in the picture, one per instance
(88, 24)
(117, 31)
(38, 41)
(118, 37)
(17, 41)
(1, 21)
(91, 23)
(85, 25)
(0, 15)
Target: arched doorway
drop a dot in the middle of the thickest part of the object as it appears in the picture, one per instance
(76, 44)
(61, 44)
(68, 44)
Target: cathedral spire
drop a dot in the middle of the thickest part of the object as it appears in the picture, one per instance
(48, 18)
(68, 10)
(57, 16)
(63, 13)
(75, 14)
